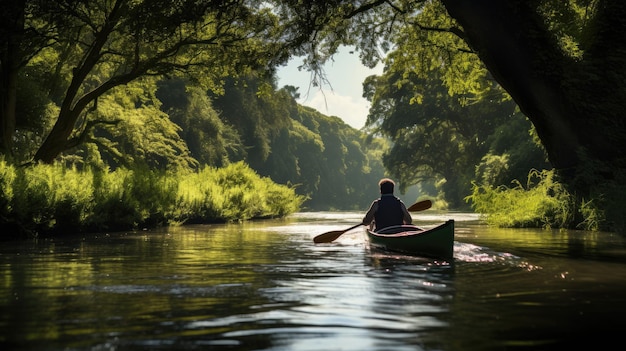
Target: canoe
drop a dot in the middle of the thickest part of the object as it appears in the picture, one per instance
(409, 239)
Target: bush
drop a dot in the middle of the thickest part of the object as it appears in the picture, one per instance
(543, 203)
(53, 198)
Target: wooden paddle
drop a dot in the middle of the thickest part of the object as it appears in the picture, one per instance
(333, 235)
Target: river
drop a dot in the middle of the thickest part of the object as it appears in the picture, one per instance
(264, 285)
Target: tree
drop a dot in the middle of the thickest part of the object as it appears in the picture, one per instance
(440, 108)
(254, 114)
(564, 65)
(91, 47)
(135, 131)
(211, 141)
(435, 139)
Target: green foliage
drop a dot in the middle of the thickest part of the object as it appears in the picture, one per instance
(53, 198)
(247, 196)
(548, 203)
(516, 139)
(437, 105)
(443, 113)
(50, 197)
(512, 152)
(7, 178)
(562, 61)
(542, 202)
(90, 69)
(258, 118)
(210, 140)
(344, 175)
(37, 115)
(491, 169)
(115, 207)
(429, 49)
(436, 137)
(234, 192)
(171, 125)
(79, 51)
(134, 130)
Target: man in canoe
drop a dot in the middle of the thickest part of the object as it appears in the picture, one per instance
(387, 210)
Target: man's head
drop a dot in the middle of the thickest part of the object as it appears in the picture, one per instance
(386, 186)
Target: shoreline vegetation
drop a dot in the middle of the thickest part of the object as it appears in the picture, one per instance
(542, 202)
(44, 200)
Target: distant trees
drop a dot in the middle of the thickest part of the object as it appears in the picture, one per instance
(211, 140)
(324, 157)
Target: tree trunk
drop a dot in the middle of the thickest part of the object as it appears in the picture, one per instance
(575, 106)
(11, 30)
(8, 93)
(57, 140)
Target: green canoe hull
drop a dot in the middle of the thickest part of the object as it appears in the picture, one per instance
(434, 242)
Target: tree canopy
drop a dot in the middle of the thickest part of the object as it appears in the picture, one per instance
(84, 50)
(562, 62)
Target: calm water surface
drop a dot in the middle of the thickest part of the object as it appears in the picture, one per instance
(266, 286)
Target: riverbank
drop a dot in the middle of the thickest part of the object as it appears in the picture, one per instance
(48, 200)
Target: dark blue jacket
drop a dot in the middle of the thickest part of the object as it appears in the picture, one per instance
(389, 212)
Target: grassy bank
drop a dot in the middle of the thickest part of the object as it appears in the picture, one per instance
(52, 199)
(542, 202)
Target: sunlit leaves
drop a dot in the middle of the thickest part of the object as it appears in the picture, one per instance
(542, 202)
(567, 20)
(431, 46)
(54, 197)
(137, 131)
(98, 45)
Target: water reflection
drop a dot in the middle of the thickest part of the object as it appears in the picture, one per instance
(266, 286)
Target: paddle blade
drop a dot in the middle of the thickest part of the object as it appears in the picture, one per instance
(331, 236)
(328, 237)
(420, 206)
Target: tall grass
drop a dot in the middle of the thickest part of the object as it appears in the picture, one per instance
(55, 199)
(541, 203)
(48, 197)
(7, 178)
(232, 193)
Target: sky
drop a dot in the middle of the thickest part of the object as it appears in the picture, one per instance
(342, 96)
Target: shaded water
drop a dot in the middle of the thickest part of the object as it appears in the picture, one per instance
(266, 286)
